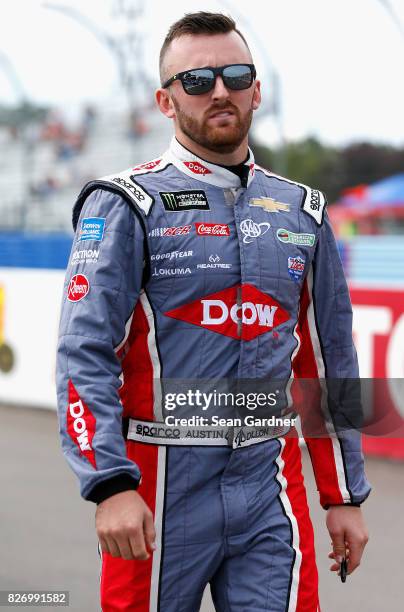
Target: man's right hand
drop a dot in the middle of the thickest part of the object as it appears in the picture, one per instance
(125, 527)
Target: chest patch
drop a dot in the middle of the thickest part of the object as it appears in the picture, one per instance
(177, 201)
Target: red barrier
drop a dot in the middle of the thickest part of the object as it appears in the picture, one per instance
(379, 339)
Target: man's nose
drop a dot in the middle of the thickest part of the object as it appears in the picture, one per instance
(220, 91)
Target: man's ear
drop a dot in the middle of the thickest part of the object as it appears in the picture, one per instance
(256, 101)
(165, 103)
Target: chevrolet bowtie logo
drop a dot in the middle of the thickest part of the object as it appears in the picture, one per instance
(269, 204)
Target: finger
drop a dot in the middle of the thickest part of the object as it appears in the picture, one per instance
(138, 545)
(149, 531)
(125, 550)
(113, 548)
(338, 546)
(356, 550)
(103, 545)
(335, 567)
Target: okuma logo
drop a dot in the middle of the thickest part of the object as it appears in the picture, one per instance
(252, 230)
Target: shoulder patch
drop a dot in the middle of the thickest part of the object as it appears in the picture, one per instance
(314, 203)
(127, 183)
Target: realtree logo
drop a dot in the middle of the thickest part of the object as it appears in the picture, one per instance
(240, 312)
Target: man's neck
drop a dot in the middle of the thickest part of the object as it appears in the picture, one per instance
(223, 159)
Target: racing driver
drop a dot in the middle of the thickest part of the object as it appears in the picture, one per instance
(200, 264)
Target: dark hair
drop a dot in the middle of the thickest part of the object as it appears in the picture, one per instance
(198, 23)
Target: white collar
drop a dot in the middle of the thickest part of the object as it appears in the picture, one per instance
(201, 170)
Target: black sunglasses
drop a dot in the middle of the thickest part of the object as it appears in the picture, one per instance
(201, 80)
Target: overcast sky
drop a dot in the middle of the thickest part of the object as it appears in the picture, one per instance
(340, 61)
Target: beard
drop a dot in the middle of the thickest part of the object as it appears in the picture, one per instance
(220, 139)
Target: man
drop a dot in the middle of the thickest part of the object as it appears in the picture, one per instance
(201, 265)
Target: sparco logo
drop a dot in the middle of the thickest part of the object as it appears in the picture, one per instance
(157, 432)
(78, 288)
(197, 168)
(252, 230)
(134, 191)
(76, 411)
(239, 312)
(212, 229)
(315, 199)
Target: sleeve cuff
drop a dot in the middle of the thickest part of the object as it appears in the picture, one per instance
(112, 486)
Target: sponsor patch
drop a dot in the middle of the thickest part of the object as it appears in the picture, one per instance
(296, 267)
(147, 166)
(256, 313)
(171, 271)
(176, 201)
(212, 229)
(314, 204)
(171, 255)
(85, 255)
(197, 168)
(81, 424)
(252, 230)
(286, 236)
(131, 188)
(214, 263)
(170, 231)
(92, 228)
(269, 204)
(78, 288)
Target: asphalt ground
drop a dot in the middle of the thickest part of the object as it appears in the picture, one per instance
(48, 541)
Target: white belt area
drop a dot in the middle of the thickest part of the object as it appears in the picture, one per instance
(150, 432)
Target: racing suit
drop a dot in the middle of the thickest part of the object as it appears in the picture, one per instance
(180, 268)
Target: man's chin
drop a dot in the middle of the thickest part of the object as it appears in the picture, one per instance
(223, 139)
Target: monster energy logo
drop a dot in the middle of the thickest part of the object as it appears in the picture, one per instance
(176, 201)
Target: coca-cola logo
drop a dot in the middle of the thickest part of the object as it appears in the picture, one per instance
(212, 229)
(78, 288)
(240, 312)
(197, 168)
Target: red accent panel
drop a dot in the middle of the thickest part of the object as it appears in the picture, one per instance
(80, 424)
(321, 449)
(137, 390)
(220, 313)
(125, 585)
(307, 594)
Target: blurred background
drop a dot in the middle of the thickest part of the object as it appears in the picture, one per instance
(77, 83)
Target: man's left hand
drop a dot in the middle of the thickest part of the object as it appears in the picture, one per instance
(349, 536)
